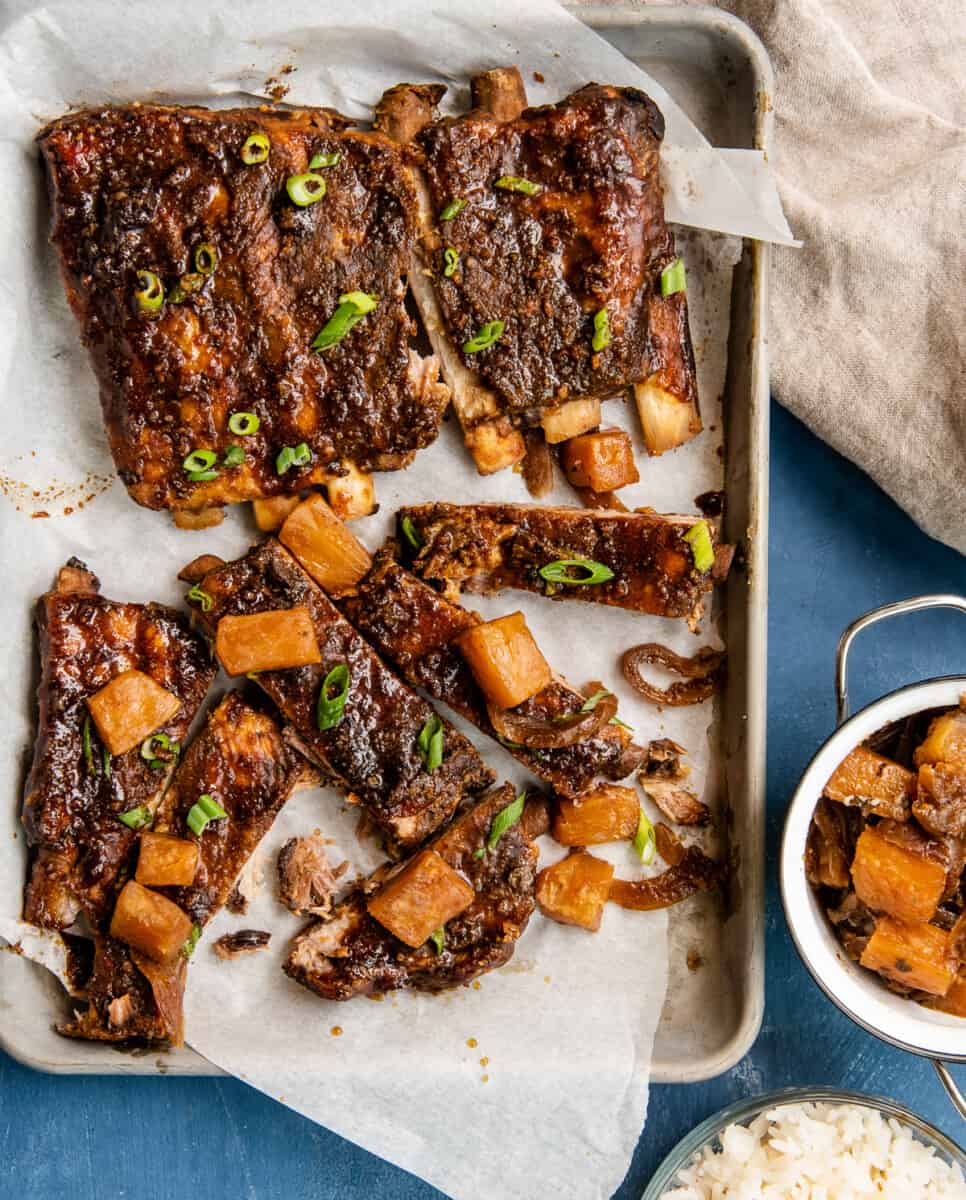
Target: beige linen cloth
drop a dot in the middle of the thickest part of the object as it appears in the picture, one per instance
(867, 331)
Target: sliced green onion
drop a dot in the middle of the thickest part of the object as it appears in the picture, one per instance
(201, 597)
(622, 724)
(292, 456)
(601, 339)
(202, 476)
(306, 189)
(592, 701)
(438, 938)
(332, 697)
(576, 572)
(452, 259)
(409, 532)
(362, 302)
(205, 809)
(490, 333)
(211, 808)
(191, 941)
(324, 160)
(451, 209)
(86, 744)
(150, 293)
(234, 457)
(206, 258)
(353, 306)
(699, 539)
(430, 743)
(479, 853)
(199, 460)
(255, 149)
(136, 818)
(156, 746)
(505, 819)
(243, 424)
(673, 278)
(106, 761)
(645, 843)
(514, 183)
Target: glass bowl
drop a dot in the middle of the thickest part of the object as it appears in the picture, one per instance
(744, 1111)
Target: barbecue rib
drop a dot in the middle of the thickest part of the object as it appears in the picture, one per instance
(372, 752)
(562, 219)
(75, 791)
(486, 547)
(242, 761)
(146, 188)
(351, 954)
(413, 626)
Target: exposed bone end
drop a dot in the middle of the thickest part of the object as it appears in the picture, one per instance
(406, 109)
(202, 518)
(425, 383)
(75, 576)
(571, 419)
(499, 92)
(494, 445)
(667, 420)
(353, 494)
(538, 465)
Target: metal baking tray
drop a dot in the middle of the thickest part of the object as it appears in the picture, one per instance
(718, 71)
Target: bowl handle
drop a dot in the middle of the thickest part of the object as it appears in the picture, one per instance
(957, 1097)
(914, 604)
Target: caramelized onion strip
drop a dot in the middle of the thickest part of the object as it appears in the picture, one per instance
(552, 733)
(693, 873)
(704, 673)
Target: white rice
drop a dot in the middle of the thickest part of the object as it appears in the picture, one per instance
(819, 1151)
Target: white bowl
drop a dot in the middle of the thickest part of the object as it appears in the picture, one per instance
(859, 993)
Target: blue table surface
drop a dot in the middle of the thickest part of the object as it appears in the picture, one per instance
(839, 546)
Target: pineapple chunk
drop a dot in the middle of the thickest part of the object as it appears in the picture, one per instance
(946, 741)
(954, 1001)
(270, 514)
(575, 890)
(425, 894)
(166, 861)
(130, 708)
(602, 461)
(916, 956)
(505, 660)
(609, 814)
(149, 922)
(878, 783)
(267, 641)
(570, 420)
(351, 495)
(334, 558)
(893, 880)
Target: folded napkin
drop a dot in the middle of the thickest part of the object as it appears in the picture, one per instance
(866, 336)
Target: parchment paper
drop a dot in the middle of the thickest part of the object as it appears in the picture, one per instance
(535, 1082)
